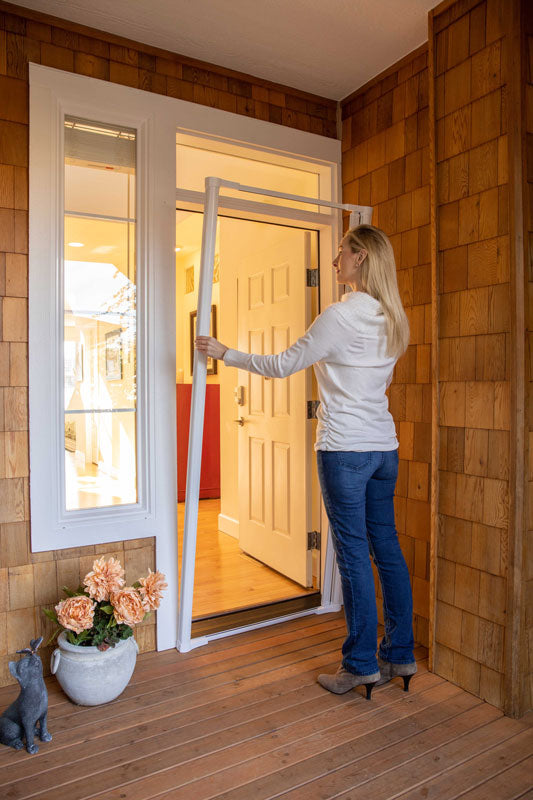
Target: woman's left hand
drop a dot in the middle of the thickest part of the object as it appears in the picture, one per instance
(211, 346)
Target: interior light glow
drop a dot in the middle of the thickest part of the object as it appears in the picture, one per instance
(87, 128)
(76, 244)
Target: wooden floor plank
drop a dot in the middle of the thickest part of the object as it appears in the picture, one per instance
(232, 769)
(414, 771)
(244, 719)
(512, 784)
(193, 724)
(194, 709)
(225, 577)
(193, 742)
(508, 761)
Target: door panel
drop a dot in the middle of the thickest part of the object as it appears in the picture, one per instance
(270, 263)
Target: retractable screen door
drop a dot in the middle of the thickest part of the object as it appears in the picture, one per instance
(212, 190)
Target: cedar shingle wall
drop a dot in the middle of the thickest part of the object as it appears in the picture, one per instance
(473, 274)
(30, 581)
(528, 555)
(386, 165)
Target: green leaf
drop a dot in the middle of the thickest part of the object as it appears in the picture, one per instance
(53, 636)
(69, 592)
(51, 615)
(107, 609)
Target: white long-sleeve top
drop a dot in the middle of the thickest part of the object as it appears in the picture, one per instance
(347, 345)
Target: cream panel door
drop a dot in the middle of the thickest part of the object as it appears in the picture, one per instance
(273, 490)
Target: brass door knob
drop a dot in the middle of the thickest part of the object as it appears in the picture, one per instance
(239, 421)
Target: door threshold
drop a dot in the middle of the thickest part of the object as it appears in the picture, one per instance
(203, 626)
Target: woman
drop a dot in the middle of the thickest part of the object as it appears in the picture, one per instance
(354, 345)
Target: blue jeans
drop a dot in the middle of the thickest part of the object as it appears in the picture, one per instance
(358, 491)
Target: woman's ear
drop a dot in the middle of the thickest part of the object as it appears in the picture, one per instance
(363, 253)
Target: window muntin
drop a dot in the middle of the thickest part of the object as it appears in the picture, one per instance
(100, 316)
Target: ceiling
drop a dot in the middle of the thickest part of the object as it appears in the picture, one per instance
(326, 47)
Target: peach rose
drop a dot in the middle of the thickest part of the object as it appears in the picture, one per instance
(106, 577)
(151, 589)
(127, 606)
(76, 613)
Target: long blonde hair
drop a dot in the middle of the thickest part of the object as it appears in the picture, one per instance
(378, 279)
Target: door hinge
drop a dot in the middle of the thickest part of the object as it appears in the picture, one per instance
(313, 540)
(312, 277)
(312, 408)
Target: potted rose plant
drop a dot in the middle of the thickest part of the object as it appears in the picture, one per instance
(96, 651)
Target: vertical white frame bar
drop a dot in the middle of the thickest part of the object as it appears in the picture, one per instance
(196, 425)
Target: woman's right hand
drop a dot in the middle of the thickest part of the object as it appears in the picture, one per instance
(211, 346)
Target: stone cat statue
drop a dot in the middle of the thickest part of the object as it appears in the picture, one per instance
(19, 721)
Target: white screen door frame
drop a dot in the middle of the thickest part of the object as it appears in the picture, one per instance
(213, 186)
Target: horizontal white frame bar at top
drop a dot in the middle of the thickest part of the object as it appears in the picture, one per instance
(365, 212)
(220, 182)
(236, 206)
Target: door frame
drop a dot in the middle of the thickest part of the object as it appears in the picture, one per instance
(54, 92)
(329, 224)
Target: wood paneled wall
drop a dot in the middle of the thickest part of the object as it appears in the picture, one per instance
(474, 344)
(527, 687)
(479, 633)
(386, 165)
(31, 581)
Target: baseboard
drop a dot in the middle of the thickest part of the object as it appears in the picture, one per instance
(228, 525)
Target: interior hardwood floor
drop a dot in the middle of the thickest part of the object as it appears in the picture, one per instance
(226, 578)
(244, 718)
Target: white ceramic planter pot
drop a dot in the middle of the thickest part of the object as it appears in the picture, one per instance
(90, 676)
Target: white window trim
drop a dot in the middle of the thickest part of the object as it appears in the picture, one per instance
(159, 119)
(52, 95)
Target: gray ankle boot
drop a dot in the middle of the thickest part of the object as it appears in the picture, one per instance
(389, 671)
(342, 681)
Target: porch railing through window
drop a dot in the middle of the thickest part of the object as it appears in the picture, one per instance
(100, 315)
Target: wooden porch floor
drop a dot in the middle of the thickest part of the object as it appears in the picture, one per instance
(244, 718)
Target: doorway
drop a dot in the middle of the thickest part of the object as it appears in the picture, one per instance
(259, 493)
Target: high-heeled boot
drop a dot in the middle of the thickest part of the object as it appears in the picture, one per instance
(342, 681)
(389, 671)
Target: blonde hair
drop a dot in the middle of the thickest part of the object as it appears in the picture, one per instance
(378, 279)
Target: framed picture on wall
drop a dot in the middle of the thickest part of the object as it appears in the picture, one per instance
(113, 355)
(211, 362)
